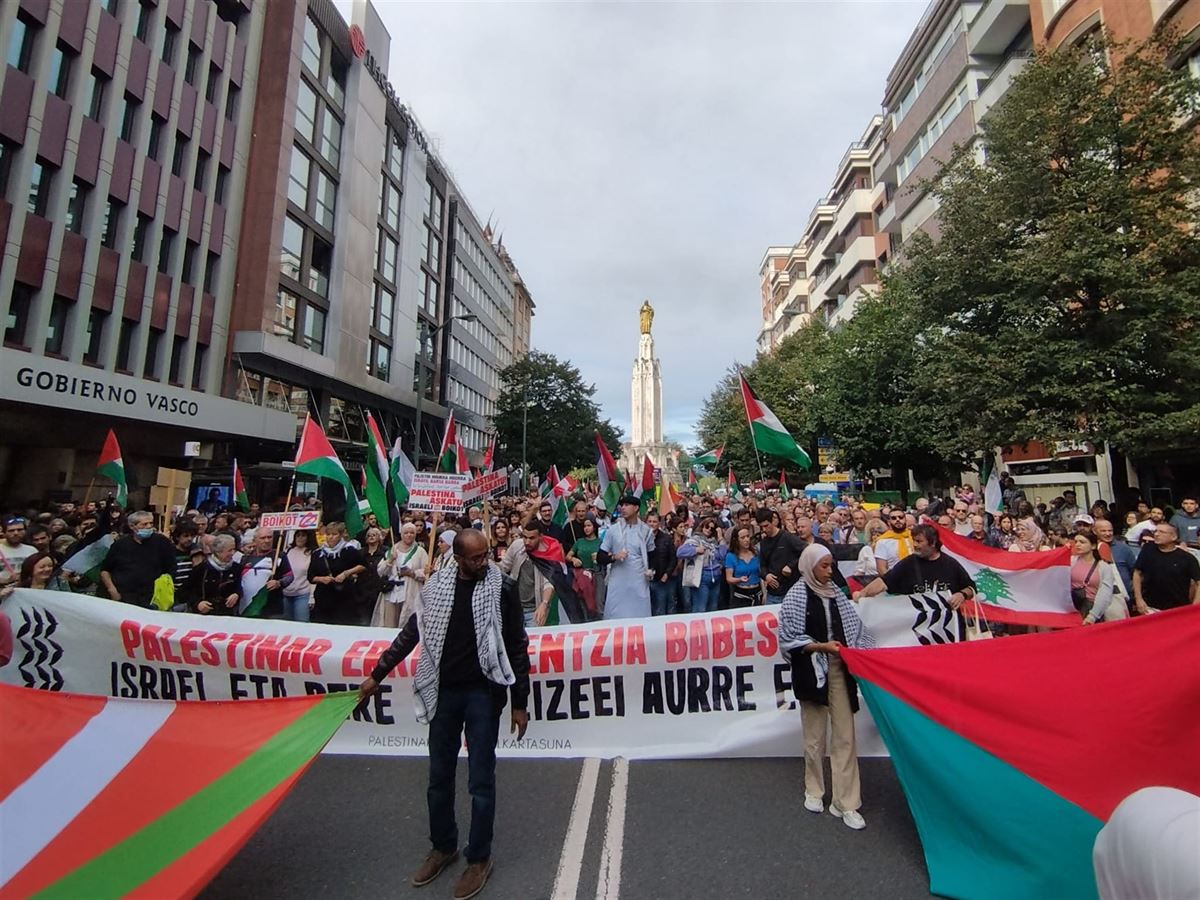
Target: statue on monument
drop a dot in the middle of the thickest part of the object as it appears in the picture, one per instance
(647, 313)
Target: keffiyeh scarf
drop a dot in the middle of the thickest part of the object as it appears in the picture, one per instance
(793, 636)
(433, 621)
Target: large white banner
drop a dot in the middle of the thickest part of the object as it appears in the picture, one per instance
(710, 685)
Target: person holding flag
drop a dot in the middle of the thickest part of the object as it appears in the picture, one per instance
(626, 548)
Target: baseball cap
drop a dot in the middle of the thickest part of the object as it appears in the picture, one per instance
(1085, 519)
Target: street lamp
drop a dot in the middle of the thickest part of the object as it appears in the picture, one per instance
(425, 333)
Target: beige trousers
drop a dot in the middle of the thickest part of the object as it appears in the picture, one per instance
(843, 757)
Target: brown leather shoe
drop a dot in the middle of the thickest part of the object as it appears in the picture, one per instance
(472, 880)
(435, 863)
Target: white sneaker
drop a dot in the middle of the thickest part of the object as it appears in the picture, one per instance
(851, 818)
(814, 804)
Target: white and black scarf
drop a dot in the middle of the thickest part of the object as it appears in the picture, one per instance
(793, 630)
(433, 621)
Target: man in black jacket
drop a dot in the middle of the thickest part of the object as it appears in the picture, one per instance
(662, 563)
(460, 683)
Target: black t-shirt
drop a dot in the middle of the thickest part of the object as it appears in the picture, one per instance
(134, 566)
(913, 575)
(460, 653)
(1166, 576)
(777, 553)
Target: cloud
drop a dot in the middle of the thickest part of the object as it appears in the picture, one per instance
(634, 151)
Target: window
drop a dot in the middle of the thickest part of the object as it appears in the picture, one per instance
(39, 188)
(382, 310)
(154, 143)
(179, 159)
(56, 330)
(314, 329)
(20, 44)
(395, 160)
(210, 272)
(231, 102)
(389, 251)
(390, 204)
(310, 53)
(170, 38)
(326, 200)
(7, 153)
(331, 138)
(18, 314)
(77, 206)
(428, 297)
(60, 69)
(192, 67)
(1193, 65)
(125, 344)
(166, 247)
(112, 223)
(150, 363)
(379, 362)
(221, 184)
(202, 160)
(139, 237)
(298, 178)
(97, 319)
(97, 84)
(433, 206)
(214, 83)
(129, 117)
(189, 262)
(178, 345)
(292, 248)
(198, 359)
(143, 22)
(319, 267)
(306, 112)
(284, 321)
(112, 6)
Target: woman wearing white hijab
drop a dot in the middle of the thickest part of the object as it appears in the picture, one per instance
(817, 619)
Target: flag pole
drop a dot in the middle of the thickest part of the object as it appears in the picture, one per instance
(288, 502)
(88, 494)
(753, 439)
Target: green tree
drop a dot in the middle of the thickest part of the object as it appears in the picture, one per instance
(562, 416)
(1061, 300)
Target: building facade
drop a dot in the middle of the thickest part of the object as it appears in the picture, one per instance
(153, 251)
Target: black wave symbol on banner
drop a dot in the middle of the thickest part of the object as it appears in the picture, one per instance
(39, 664)
(936, 622)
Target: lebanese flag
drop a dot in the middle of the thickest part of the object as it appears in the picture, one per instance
(1013, 753)
(240, 497)
(448, 454)
(607, 475)
(316, 456)
(768, 432)
(94, 803)
(1017, 588)
(112, 466)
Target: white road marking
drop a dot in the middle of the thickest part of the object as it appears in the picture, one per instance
(608, 886)
(570, 864)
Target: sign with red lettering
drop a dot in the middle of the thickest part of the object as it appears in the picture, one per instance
(303, 520)
(486, 486)
(665, 687)
(437, 492)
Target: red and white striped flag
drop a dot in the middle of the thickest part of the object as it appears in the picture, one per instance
(1017, 588)
(94, 801)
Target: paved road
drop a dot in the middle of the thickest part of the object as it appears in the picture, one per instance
(356, 827)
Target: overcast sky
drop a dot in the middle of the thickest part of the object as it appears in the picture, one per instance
(645, 151)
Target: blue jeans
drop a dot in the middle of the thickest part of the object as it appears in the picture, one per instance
(295, 609)
(478, 712)
(663, 595)
(774, 598)
(704, 597)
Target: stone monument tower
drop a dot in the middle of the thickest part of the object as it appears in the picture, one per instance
(646, 413)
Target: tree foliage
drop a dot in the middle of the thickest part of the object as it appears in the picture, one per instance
(562, 415)
(1060, 301)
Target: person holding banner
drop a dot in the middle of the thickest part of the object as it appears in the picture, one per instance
(215, 586)
(333, 569)
(816, 620)
(474, 651)
(928, 570)
(403, 574)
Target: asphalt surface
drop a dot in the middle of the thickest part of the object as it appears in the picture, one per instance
(356, 827)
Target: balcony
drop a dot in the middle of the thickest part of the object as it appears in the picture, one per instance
(997, 24)
(997, 85)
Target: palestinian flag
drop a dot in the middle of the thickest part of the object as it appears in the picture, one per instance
(767, 431)
(315, 456)
(376, 472)
(448, 454)
(709, 457)
(552, 563)
(1017, 588)
(489, 458)
(546, 488)
(240, 497)
(609, 478)
(112, 467)
(560, 496)
(645, 489)
(784, 493)
(88, 560)
(733, 487)
(401, 472)
(462, 465)
(693, 484)
(256, 572)
(1013, 753)
(993, 494)
(630, 483)
(94, 802)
